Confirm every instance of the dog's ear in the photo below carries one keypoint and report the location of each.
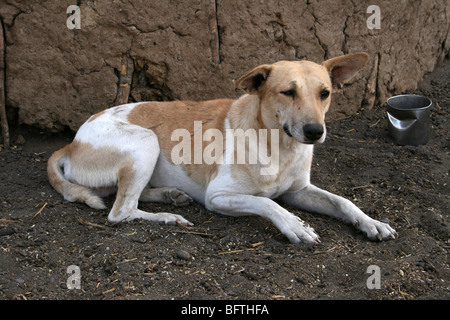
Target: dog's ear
(252, 81)
(343, 68)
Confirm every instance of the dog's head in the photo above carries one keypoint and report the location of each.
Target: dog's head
(295, 95)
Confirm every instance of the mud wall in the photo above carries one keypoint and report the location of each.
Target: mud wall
(57, 76)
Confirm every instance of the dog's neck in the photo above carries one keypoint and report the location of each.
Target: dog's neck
(244, 113)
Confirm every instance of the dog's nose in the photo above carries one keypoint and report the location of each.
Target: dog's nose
(313, 131)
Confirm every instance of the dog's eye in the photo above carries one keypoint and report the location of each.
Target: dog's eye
(324, 94)
(289, 93)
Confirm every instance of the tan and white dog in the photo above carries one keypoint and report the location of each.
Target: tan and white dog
(131, 147)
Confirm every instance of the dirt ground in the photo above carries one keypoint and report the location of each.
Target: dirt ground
(41, 234)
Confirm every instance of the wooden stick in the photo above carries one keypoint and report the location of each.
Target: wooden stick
(362, 187)
(196, 233)
(126, 74)
(8, 221)
(373, 125)
(253, 245)
(4, 120)
(214, 32)
(371, 87)
(87, 223)
(39, 212)
(109, 291)
(236, 251)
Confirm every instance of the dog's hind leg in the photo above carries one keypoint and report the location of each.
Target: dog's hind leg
(165, 195)
(133, 177)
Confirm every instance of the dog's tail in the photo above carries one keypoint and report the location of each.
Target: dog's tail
(71, 192)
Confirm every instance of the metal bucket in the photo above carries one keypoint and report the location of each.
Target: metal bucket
(409, 119)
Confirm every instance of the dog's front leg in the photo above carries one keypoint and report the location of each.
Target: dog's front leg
(240, 205)
(316, 200)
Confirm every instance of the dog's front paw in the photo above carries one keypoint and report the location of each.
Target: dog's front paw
(297, 231)
(377, 230)
(171, 219)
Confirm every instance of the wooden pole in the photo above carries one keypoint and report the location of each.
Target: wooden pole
(126, 74)
(4, 120)
(214, 32)
(371, 87)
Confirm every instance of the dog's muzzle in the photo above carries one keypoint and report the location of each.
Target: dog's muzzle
(308, 134)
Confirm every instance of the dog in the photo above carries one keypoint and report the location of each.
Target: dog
(129, 149)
